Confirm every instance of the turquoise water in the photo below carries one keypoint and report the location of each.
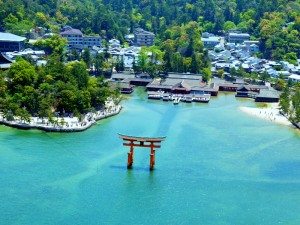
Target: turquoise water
(217, 166)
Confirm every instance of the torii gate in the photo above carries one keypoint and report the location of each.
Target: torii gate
(147, 142)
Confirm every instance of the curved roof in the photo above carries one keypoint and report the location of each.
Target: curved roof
(71, 31)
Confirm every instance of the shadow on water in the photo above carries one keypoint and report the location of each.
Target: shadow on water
(166, 121)
(134, 168)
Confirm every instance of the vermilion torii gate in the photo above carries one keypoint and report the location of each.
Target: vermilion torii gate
(147, 142)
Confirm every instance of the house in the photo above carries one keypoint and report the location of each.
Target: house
(294, 78)
(224, 55)
(230, 46)
(287, 66)
(7, 58)
(76, 39)
(238, 37)
(114, 43)
(242, 92)
(272, 72)
(129, 38)
(143, 38)
(267, 96)
(284, 73)
(211, 42)
(10, 42)
(125, 88)
(223, 66)
(252, 46)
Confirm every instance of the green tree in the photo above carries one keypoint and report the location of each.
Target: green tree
(206, 74)
(284, 101)
(295, 112)
(86, 57)
(55, 45)
(229, 25)
(291, 57)
(99, 62)
(21, 73)
(78, 70)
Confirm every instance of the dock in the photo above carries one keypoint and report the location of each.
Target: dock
(176, 98)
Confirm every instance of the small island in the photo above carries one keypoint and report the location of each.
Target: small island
(57, 97)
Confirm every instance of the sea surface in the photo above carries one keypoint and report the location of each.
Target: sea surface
(216, 166)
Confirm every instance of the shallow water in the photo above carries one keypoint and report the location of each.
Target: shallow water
(217, 166)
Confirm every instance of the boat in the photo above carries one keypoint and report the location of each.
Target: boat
(176, 100)
(166, 97)
(154, 95)
(188, 99)
(202, 98)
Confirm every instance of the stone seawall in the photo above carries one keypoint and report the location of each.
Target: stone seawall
(79, 127)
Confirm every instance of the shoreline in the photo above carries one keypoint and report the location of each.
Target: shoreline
(70, 124)
(272, 114)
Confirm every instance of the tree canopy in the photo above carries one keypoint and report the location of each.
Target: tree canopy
(27, 90)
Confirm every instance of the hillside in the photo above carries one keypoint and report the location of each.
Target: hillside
(276, 22)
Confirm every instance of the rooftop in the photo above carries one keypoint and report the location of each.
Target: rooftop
(185, 76)
(211, 39)
(121, 76)
(239, 35)
(142, 31)
(268, 94)
(295, 77)
(11, 37)
(67, 30)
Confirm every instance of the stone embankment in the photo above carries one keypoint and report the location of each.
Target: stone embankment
(63, 124)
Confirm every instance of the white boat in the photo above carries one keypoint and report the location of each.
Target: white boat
(166, 97)
(176, 100)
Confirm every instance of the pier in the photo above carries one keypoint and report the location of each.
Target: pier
(188, 98)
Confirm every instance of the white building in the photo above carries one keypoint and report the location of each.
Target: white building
(114, 43)
(76, 39)
(238, 37)
(294, 78)
(211, 42)
(143, 38)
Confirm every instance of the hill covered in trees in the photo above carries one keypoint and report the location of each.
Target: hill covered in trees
(276, 23)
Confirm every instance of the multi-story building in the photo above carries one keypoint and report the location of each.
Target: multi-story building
(238, 37)
(10, 42)
(211, 42)
(143, 38)
(76, 39)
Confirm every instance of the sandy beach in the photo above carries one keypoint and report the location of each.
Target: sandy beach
(271, 113)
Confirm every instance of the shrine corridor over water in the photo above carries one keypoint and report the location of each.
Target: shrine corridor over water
(216, 166)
